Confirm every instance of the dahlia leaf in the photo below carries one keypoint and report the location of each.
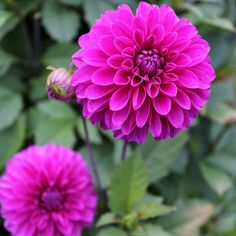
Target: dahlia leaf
(159, 157)
(8, 20)
(5, 61)
(12, 138)
(59, 55)
(10, 107)
(112, 231)
(128, 185)
(188, 219)
(224, 161)
(216, 178)
(221, 23)
(57, 110)
(71, 2)
(61, 23)
(107, 219)
(51, 130)
(152, 210)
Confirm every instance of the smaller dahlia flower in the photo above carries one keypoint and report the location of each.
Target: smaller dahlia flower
(58, 85)
(47, 191)
(141, 72)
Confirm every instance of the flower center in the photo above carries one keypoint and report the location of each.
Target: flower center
(148, 62)
(52, 199)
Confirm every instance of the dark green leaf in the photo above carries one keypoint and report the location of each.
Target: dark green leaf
(12, 139)
(159, 156)
(59, 55)
(10, 107)
(61, 23)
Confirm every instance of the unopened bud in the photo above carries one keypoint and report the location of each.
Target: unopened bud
(58, 85)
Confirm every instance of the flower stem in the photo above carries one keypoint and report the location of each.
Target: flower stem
(91, 155)
(24, 29)
(123, 152)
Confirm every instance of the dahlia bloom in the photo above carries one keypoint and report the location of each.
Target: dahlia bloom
(143, 71)
(58, 85)
(47, 191)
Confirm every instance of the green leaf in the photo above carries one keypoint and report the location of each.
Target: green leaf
(225, 162)
(12, 139)
(218, 180)
(8, 20)
(57, 110)
(106, 166)
(58, 131)
(188, 219)
(159, 156)
(71, 2)
(10, 107)
(92, 130)
(93, 9)
(128, 185)
(38, 87)
(61, 23)
(224, 113)
(5, 61)
(59, 55)
(221, 23)
(107, 219)
(155, 230)
(152, 210)
(112, 232)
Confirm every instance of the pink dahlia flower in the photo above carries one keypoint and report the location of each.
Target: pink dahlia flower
(143, 71)
(47, 191)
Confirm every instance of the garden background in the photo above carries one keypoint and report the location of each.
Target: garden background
(195, 172)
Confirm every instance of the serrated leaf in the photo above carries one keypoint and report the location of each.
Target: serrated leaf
(58, 131)
(107, 219)
(59, 55)
(12, 138)
(159, 156)
(112, 231)
(152, 210)
(217, 179)
(61, 23)
(10, 107)
(57, 110)
(128, 185)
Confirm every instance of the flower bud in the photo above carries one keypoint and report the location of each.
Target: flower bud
(58, 85)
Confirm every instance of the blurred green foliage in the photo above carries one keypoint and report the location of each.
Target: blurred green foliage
(194, 173)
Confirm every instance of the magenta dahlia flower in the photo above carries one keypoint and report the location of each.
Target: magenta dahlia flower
(148, 71)
(47, 191)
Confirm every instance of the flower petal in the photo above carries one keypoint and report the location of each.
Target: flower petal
(162, 104)
(120, 98)
(103, 76)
